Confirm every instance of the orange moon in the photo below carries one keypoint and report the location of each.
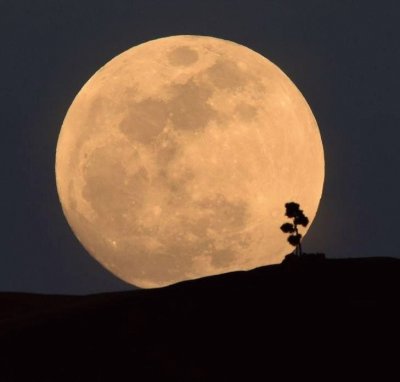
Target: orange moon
(176, 158)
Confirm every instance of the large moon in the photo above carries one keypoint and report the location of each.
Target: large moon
(176, 158)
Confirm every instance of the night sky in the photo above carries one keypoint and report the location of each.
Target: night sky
(343, 56)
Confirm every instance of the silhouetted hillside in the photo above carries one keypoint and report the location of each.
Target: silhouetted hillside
(290, 318)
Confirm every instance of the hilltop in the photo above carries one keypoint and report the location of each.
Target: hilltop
(220, 327)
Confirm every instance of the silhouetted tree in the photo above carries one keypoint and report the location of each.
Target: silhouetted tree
(294, 212)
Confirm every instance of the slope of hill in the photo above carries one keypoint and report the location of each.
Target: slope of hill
(337, 313)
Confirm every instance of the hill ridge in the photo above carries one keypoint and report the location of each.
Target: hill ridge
(206, 328)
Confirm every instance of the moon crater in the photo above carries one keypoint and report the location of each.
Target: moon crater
(182, 56)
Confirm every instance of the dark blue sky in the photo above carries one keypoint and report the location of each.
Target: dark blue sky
(343, 55)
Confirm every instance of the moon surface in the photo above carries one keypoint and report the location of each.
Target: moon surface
(176, 158)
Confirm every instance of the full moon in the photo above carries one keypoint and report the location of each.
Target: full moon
(175, 161)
